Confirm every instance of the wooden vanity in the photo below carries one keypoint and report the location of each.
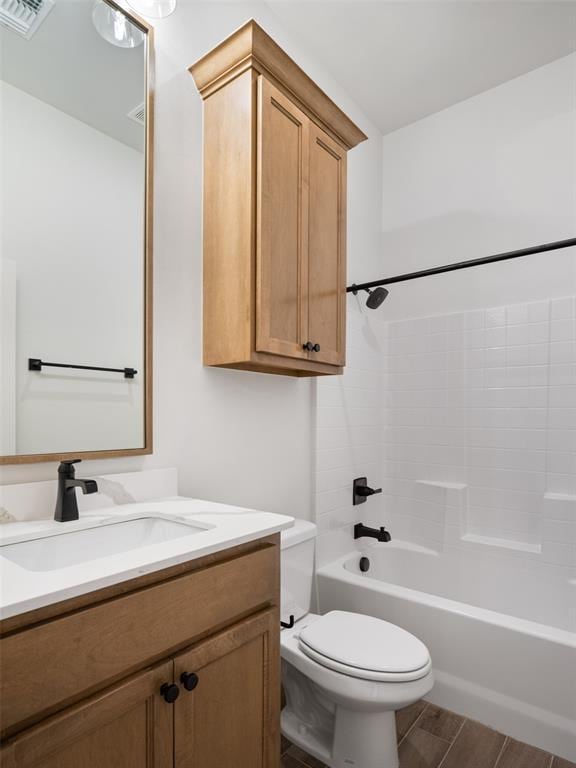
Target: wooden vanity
(174, 669)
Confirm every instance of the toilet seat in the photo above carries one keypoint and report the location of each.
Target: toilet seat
(365, 647)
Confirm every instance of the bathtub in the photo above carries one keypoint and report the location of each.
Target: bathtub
(506, 656)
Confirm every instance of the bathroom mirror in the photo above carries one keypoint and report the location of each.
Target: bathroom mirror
(75, 231)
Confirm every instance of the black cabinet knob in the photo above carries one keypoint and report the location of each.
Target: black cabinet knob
(316, 348)
(308, 346)
(169, 692)
(189, 680)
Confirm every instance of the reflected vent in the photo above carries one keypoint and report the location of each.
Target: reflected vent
(138, 114)
(24, 16)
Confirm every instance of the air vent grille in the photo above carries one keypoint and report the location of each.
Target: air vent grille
(24, 16)
(138, 114)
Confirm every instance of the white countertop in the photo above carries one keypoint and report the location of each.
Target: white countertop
(23, 590)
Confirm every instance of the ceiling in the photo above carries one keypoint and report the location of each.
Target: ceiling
(400, 60)
(68, 65)
(406, 59)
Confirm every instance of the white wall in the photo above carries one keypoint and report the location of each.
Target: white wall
(234, 436)
(494, 173)
(8, 357)
(72, 209)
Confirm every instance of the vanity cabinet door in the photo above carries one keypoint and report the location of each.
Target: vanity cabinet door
(230, 717)
(282, 210)
(327, 249)
(127, 726)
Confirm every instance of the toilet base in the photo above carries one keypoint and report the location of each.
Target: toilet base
(313, 741)
(360, 739)
(364, 740)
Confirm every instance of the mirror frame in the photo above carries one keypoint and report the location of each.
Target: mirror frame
(147, 448)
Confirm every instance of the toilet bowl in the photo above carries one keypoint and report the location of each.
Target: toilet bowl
(344, 674)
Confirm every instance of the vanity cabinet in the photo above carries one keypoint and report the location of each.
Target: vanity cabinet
(227, 719)
(105, 683)
(274, 211)
(127, 726)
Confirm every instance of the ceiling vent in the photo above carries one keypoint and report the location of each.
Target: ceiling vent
(138, 114)
(24, 16)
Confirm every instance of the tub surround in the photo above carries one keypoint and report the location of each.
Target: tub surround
(467, 421)
(480, 429)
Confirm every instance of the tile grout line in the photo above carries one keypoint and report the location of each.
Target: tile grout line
(441, 763)
(504, 745)
(413, 724)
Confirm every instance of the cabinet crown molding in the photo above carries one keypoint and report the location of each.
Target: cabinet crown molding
(250, 47)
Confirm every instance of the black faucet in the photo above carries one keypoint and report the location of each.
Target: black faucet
(361, 530)
(66, 504)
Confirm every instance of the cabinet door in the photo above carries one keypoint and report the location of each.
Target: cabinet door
(282, 209)
(327, 248)
(127, 726)
(230, 719)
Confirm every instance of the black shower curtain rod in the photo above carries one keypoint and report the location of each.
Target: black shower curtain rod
(354, 288)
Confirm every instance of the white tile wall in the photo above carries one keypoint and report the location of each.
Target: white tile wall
(468, 421)
(349, 432)
(486, 399)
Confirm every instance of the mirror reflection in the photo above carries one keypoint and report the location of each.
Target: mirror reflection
(73, 97)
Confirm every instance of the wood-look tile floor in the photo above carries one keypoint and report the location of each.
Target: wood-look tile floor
(431, 737)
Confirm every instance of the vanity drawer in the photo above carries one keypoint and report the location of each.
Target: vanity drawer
(55, 663)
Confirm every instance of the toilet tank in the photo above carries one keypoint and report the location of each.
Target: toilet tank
(297, 569)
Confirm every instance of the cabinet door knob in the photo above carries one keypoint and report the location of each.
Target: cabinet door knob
(169, 692)
(316, 348)
(189, 680)
(308, 346)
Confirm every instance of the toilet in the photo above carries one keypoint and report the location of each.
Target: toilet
(344, 674)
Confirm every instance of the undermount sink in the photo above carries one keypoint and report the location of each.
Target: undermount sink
(74, 547)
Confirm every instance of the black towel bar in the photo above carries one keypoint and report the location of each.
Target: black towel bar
(34, 364)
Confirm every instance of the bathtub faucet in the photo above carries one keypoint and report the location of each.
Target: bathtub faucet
(361, 530)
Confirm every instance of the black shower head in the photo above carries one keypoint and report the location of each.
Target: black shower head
(376, 297)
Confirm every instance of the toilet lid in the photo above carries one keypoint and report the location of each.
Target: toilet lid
(365, 647)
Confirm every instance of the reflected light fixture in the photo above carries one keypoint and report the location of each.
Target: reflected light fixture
(115, 27)
(154, 9)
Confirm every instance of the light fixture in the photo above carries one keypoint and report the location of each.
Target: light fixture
(114, 27)
(154, 9)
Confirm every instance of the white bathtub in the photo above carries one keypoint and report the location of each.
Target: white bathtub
(505, 657)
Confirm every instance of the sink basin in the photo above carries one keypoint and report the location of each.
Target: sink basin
(74, 547)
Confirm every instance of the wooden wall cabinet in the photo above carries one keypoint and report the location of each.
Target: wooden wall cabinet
(274, 211)
(112, 705)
